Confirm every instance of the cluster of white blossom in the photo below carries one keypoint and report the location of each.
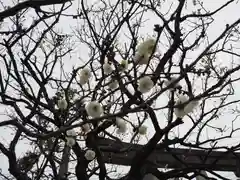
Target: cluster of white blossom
(107, 68)
(86, 128)
(145, 84)
(124, 65)
(113, 84)
(94, 109)
(90, 155)
(70, 141)
(71, 134)
(62, 104)
(121, 125)
(182, 108)
(84, 75)
(142, 130)
(170, 81)
(144, 50)
(185, 109)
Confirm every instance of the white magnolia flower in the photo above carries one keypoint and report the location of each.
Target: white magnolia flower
(142, 130)
(121, 125)
(86, 128)
(70, 141)
(71, 133)
(120, 121)
(190, 106)
(85, 73)
(144, 50)
(113, 85)
(122, 129)
(141, 58)
(168, 82)
(179, 112)
(146, 47)
(62, 104)
(107, 68)
(186, 109)
(90, 155)
(94, 109)
(124, 65)
(83, 80)
(145, 84)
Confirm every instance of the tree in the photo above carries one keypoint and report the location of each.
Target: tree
(75, 72)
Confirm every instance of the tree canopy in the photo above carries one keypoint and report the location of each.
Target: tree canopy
(75, 73)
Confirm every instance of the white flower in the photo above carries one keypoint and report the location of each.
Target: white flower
(107, 68)
(90, 155)
(179, 112)
(75, 98)
(85, 73)
(86, 128)
(83, 80)
(142, 130)
(113, 85)
(124, 65)
(71, 133)
(141, 58)
(94, 109)
(62, 94)
(62, 104)
(145, 84)
(144, 50)
(186, 109)
(121, 125)
(146, 47)
(70, 141)
(190, 106)
(122, 129)
(120, 121)
(172, 79)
